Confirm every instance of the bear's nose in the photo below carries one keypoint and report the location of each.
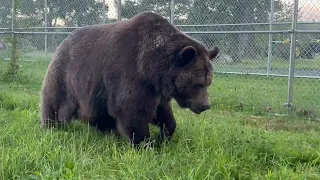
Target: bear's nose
(205, 107)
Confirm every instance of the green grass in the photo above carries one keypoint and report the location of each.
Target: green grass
(260, 95)
(27, 56)
(227, 142)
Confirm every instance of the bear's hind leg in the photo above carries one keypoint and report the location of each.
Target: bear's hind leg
(48, 115)
(66, 112)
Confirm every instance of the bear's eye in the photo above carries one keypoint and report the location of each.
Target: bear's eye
(197, 86)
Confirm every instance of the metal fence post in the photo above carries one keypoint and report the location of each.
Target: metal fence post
(104, 12)
(292, 57)
(46, 28)
(172, 11)
(119, 10)
(270, 38)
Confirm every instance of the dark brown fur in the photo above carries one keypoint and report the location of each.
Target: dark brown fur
(123, 76)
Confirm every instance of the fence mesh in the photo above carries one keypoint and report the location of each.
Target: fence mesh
(306, 94)
(239, 28)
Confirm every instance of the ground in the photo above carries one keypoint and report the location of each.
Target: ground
(239, 138)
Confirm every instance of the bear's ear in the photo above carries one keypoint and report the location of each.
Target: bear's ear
(213, 52)
(186, 56)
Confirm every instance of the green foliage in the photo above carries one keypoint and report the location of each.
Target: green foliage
(30, 13)
(14, 56)
(130, 8)
(12, 41)
(5, 13)
(73, 13)
(14, 66)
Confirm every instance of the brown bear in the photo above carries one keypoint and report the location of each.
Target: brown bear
(122, 76)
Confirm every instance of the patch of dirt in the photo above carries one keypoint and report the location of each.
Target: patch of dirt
(281, 124)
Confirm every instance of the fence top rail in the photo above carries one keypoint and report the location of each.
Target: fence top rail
(243, 24)
(189, 32)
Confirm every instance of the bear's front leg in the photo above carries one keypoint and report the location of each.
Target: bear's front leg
(134, 127)
(165, 120)
(134, 106)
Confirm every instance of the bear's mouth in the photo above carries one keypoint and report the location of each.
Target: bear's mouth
(195, 111)
(188, 104)
(198, 109)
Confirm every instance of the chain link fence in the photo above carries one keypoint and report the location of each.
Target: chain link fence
(270, 49)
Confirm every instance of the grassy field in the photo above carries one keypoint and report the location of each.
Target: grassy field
(236, 139)
(262, 63)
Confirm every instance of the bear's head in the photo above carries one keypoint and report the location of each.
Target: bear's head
(194, 76)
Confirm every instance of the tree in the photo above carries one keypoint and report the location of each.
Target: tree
(5, 13)
(284, 12)
(70, 13)
(236, 12)
(130, 8)
(200, 12)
